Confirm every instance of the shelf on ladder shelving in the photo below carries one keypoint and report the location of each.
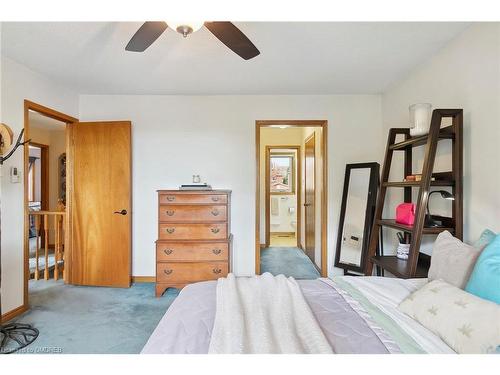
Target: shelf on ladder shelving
(399, 267)
(417, 183)
(391, 223)
(444, 133)
(439, 179)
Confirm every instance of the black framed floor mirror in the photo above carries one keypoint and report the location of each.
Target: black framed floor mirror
(361, 185)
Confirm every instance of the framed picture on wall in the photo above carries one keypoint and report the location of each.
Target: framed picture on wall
(282, 173)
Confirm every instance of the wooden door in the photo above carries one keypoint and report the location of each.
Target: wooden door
(309, 202)
(101, 204)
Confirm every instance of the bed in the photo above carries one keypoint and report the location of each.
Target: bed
(355, 314)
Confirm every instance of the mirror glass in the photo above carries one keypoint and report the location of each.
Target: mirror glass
(354, 219)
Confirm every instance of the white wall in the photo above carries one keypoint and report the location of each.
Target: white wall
(174, 137)
(19, 83)
(465, 74)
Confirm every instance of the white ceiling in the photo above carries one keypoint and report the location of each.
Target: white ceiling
(296, 57)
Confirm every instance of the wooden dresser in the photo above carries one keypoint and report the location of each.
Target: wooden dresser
(194, 237)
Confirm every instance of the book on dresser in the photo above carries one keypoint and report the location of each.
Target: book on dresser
(194, 237)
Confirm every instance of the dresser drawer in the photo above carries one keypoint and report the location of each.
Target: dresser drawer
(194, 252)
(190, 272)
(201, 198)
(215, 231)
(190, 213)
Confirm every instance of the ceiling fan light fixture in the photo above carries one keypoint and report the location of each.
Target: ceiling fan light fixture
(225, 31)
(185, 28)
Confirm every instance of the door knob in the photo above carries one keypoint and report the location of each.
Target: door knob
(307, 204)
(122, 212)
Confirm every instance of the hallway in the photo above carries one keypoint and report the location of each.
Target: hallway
(289, 261)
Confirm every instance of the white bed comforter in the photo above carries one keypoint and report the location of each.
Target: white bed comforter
(264, 314)
(348, 326)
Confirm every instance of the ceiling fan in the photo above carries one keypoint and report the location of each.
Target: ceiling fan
(226, 32)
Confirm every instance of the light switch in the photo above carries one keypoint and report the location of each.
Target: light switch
(14, 175)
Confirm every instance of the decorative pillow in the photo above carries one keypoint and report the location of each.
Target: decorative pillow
(485, 279)
(468, 324)
(452, 260)
(485, 239)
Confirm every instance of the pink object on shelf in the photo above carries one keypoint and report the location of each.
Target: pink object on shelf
(405, 213)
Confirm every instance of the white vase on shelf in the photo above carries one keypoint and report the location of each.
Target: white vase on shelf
(420, 119)
(403, 251)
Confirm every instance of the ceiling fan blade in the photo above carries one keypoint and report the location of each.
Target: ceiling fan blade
(145, 36)
(233, 38)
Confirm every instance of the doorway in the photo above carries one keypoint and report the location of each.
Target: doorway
(45, 195)
(90, 160)
(283, 196)
(291, 196)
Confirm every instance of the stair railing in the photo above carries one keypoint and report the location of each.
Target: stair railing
(42, 231)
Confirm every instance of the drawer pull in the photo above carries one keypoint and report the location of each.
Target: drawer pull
(216, 251)
(170, 230)
(216, 270)
(215, 199)
(215, 212)
(168, 272)
(215, 230)
(170, 212)
(170, 198)
(168, 251)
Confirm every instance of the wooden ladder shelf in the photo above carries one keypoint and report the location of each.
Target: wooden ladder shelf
(417, 264)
